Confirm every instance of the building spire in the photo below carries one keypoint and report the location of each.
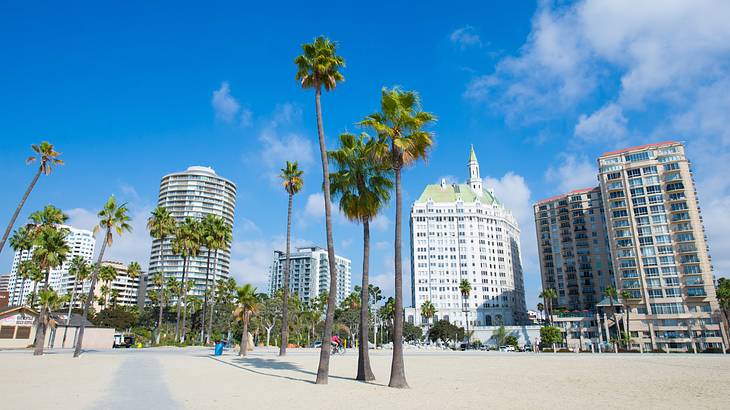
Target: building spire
(475, 180)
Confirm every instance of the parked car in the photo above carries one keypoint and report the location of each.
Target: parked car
(317, 344)
(121, 340)
(506, 348)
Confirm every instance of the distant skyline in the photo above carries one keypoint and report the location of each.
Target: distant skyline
(129, 93)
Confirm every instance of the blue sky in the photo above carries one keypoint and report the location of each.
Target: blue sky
(131, 92)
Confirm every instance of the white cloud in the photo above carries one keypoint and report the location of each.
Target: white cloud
(380, 223)
(573, 173)
(606, 124)
(251, 259)
(382, 245)
(246, 117)
(226, 107)
(315, 206)
(465, 37)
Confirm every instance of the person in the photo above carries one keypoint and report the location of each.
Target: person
(336, 342)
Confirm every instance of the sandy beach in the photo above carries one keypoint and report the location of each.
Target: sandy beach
(193, 379)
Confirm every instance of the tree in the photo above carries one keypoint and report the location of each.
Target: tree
(118, 317)
(446, 332)
(412, 333)
(21, 241)
(161, 225)
(548, 295)
(401, 142)
(428, 310)
(50, 251)
(363, 186)
(187, 245)
(215, 235)
(550, 336)
(160, 295)
(80, 270)
(270, 311)
(291, 177)
(541, 308)
(49, 301)
(318, 67)
(47, 158)
(249, 304)
(112, 218)
(29, 269)
(625, 295)
(465, 289)
(612, 295)
(723, 296)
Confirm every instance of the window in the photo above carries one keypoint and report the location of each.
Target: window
(672, 292)
(692, 270)
(23, 332)
(666, 260)
(635, 182)
(613, 175)
(650, 261)
(633, 172)
(639, 156)
(646, 241)
(683, 237)
(649, 170)
(640, 210)
(621, 223)
(659, 219)
(675, 186)
(620, 214)
(637, 191)
(616, 194)
(655, 293)
(651, 180)
(638, 201)
(651, 272)
(667, 308)
(669, 167)
(654, 189)
(696, 292)
(7, 332)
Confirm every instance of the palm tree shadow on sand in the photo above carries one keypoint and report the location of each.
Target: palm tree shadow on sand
(256, 365)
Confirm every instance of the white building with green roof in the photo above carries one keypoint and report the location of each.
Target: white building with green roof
(462, 231)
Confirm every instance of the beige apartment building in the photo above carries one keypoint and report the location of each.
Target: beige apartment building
(658, 255)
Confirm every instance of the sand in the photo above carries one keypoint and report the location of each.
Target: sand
(191, 378)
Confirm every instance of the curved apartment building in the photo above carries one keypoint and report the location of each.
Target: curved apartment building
(196, 192)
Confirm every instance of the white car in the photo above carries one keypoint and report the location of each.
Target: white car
(506, 348)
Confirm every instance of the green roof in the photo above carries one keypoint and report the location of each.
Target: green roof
(452, 192)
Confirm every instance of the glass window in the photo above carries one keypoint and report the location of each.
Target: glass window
(635, 182)
(633, 172)
(650, 170)
(655, 293)
(637, 191)
(654, 189)
(614, 175)
(669, 167)
(639, 156)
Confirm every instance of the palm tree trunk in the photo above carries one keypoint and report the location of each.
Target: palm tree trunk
(22, 290)
(212, 296)
(244, 337)
(179, 300)
(17, 210)
(397, 368)
(285, 284)
(40, 333)
(628, 331)
(159, 318)
(32, 297)
(68, 317)
(205, 300)
(90, 296)
(324, 353)
(364, 372)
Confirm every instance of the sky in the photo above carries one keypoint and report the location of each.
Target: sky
(131, 91)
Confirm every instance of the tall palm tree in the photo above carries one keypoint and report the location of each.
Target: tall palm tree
(291, 179)
(187, 245)
(80, 270)
(49, 301)
(363, 186)
(540, 308)
(465, 289)
(219, 236)
(428, 310)
(21, 241)
(248, 304)
(48, 216)
(402, 141)
(548, 296)
(47, 158)
(625, 295)
(318, 67)
(50, 251)
(159, 294)
(112, 218)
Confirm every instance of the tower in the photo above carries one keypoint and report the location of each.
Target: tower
(475, 181)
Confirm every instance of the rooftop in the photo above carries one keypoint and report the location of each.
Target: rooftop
(573, 192)
(640, 147)
(453, 192)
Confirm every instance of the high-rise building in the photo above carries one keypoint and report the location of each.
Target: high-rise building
(575, 257)
(195, 192)
(462, 231)
(122, 291)
(309, 273)
(4, 282)
(80, 242)
(660, 251)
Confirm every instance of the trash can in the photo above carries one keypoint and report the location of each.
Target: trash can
(218, 348)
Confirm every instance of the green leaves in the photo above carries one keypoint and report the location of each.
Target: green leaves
(318, 65)
(113, 218)
(291, 177)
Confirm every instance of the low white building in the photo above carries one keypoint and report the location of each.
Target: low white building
(309, 273)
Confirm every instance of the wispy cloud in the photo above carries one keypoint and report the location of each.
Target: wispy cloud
(465, 37)
(227, 108)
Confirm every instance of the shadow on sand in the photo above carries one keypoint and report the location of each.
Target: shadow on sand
(259, 365)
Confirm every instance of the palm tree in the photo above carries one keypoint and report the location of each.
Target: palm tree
(29, 269)
(80, 270)
(465, 289)
(428, 310)
(218, 236)
(723, 296)
(50, 251)
(48, 216)
(318, 67)
(107, 274)
(548, 295)
(612, 295)
(187, 245)
(625, 295)
(540, 308)
(47, 158)
(49, 301)
(402, 141)
(160, 295)
(112, 218)
(291, 177)
(21, 241)
(363, 186)
(249, 304)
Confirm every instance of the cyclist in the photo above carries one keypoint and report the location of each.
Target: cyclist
(336, 343)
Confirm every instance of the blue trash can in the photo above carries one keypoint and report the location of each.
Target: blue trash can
(218, 349)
